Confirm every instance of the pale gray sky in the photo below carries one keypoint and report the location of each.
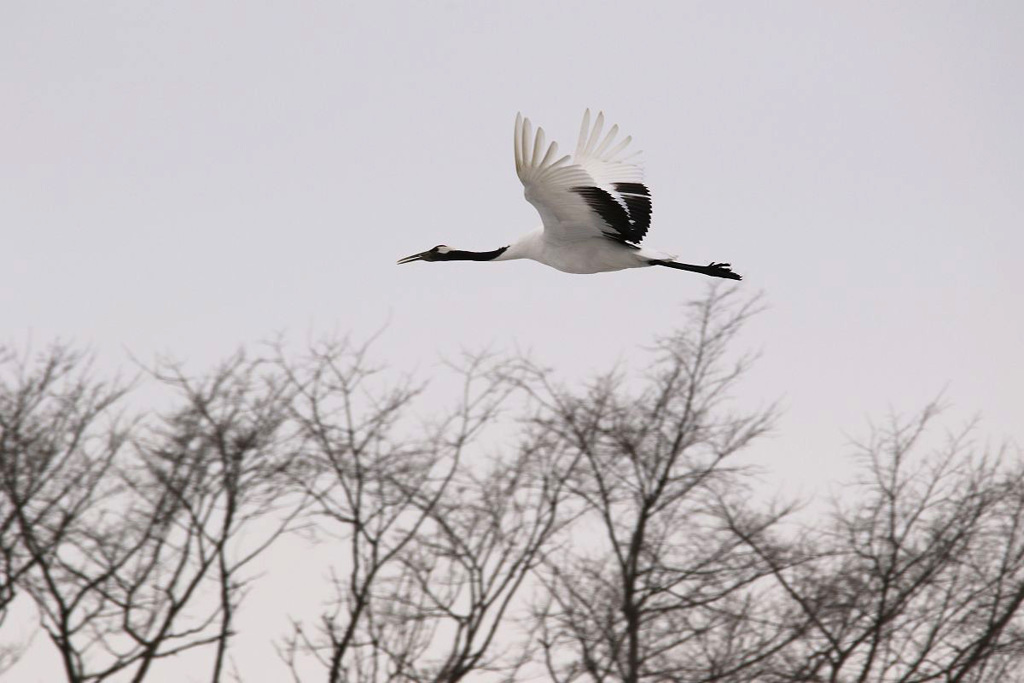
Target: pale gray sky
(186, 177)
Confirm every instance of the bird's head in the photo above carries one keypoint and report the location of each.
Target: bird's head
(438, 253)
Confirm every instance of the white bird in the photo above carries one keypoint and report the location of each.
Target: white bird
(594, 207)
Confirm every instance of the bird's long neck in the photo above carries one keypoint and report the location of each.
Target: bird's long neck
(459, 255)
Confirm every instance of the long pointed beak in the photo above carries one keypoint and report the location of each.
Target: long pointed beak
(410, 259)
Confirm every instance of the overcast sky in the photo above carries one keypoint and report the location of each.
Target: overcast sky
(188, 177)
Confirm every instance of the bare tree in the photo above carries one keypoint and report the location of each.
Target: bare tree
(463, 577)
(436, 547)
(362, 479)
(609, 532)
(214, 478)
(122, 534)
(654, 587)
(918, 577)
(58, 445)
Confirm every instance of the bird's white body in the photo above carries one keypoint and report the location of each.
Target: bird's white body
(582, 256)
(594, 207)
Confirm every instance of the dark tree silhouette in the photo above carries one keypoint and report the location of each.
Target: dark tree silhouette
(656, 587)
(129, 539)
(918, 575)
(610, 530)
(435, 548)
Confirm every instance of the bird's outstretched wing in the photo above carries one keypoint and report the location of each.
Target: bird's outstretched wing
(598, 192)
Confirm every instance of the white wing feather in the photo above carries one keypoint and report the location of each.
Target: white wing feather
(603, 159)
(548, 180)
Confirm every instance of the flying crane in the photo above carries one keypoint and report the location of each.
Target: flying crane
(594, 207)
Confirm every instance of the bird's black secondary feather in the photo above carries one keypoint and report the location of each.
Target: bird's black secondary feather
(625, 227)
(638, 203)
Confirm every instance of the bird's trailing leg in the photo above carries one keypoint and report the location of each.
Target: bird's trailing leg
(713, 269)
